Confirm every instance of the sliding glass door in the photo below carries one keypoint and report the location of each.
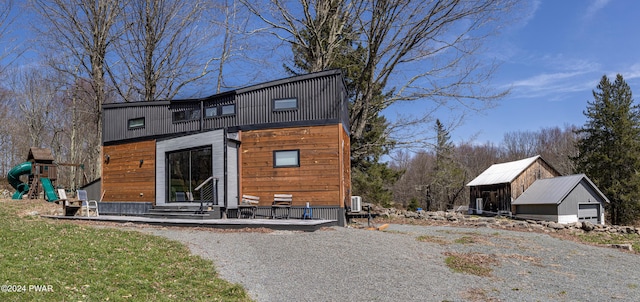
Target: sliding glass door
(187, 170)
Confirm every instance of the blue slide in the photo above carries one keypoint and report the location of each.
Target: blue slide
(14, 179)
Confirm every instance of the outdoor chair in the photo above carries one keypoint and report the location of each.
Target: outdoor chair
(70, 207)
(87, 204)
(281, 202)
(181, 196)
(248, 204)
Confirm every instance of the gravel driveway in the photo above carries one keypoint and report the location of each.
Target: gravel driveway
(344, 264)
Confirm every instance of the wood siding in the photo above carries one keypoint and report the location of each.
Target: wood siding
(538, 170)
(498, 197)
(124, 178)
(345, 140)
(320, 179)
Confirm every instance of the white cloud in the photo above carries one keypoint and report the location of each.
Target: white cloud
(528, 12)
(544, 80)
(595, 7)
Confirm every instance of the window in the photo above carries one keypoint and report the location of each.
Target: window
(286, 158)
(211, 112)
(188, 169)
(285, 104)
(228, 109)
(186, 115)
(135, 123)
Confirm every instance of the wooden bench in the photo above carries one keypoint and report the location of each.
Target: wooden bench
(70, 207)
(249, 203)
(281, 201)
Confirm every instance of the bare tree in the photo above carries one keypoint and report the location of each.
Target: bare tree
(81, 33)
(520, 144)
(444, 38)
(36, 94)
(162, 49)
(5, 24)
(318, 28)
(557, 146)
(235, 43)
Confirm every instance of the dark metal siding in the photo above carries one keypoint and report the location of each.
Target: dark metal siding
(318, 99)
(220, 122)
(319, 212)
(321, 100)
(158, 120)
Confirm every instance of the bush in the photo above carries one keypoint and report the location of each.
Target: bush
(413, 204)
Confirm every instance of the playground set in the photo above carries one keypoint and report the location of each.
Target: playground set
(42, 176)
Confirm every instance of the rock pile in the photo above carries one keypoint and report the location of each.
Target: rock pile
(501, 222)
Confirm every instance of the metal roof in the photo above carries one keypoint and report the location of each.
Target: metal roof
(554, 190)
(503, 173)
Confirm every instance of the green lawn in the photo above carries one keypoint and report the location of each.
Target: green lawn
(80, 263)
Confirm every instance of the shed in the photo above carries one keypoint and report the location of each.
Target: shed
(564, 199)
(493, 190)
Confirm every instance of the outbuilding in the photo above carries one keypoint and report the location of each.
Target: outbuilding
(493, 190)
(564, 199)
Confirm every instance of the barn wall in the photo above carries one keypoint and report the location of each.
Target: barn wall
(538, 170)
(320, 179)
(124, 177)
(495, 197)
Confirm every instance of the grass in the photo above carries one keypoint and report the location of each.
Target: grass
(82, 263)
(471, 263)
(608, 238)
(466, 240)
(432, 239)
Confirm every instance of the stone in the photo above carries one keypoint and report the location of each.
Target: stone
(587, 226)
(411, 214)
(555, 226)
(622, 246)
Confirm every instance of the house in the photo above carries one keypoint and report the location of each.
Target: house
(285, 136)
(563, 199)
(493, 191)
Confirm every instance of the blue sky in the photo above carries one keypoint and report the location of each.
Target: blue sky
(553, 59)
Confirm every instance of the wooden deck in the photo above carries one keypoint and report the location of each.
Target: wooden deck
(275, 224)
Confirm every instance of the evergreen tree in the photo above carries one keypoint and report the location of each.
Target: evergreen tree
(609, 148)
(371, 178)
(448, 176)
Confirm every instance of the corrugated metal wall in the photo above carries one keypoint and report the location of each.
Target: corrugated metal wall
(321, 99)
(321, 212)
(318, 99)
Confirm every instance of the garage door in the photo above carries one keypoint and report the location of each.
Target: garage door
(589, 212)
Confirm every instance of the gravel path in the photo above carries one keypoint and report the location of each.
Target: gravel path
(343, 264)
